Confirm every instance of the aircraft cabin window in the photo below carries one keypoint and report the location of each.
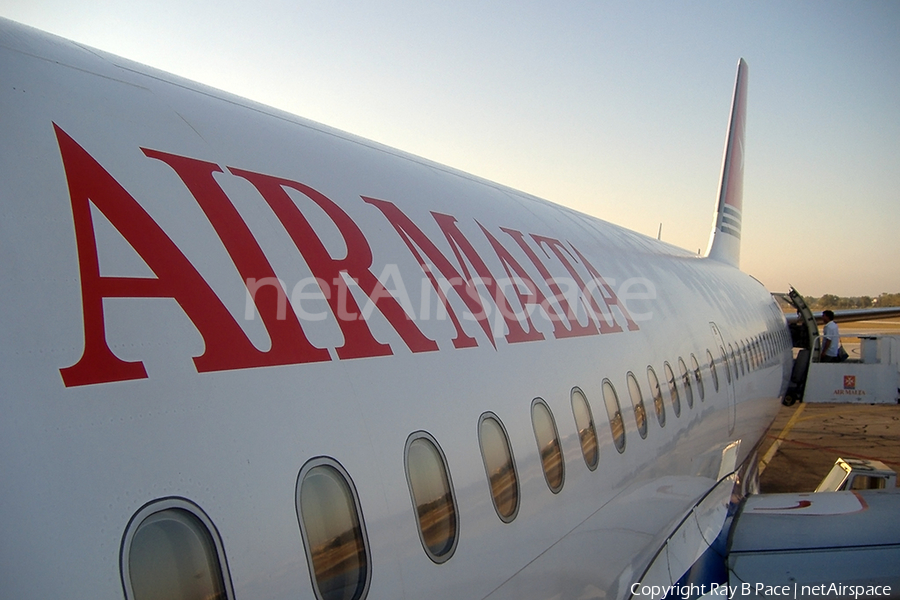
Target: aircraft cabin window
(637, 400)
(712, 369)
(734, 362)
(432, 494)
(745, 363)
(686, 383)
(656, 394)
(673, 389)
(172, 550)
(613, 409)
(547, 438)
(727, 366)
(587, 433)
(698, 377)
(500, 467)
(333, 531)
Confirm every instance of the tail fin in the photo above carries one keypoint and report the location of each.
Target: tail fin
(725, 240)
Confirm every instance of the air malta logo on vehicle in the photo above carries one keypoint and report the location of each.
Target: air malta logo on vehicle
(527, 284)
(849, 387)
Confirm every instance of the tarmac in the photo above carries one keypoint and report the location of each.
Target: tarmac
(805, 439)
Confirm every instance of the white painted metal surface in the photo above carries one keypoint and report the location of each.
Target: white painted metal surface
(139, 213)
(817, 539)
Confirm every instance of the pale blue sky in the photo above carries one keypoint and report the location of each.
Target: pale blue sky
(616, 109)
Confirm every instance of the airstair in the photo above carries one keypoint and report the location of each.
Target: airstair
(873, 378)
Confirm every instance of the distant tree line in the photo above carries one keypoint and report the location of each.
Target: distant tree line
(835, 302)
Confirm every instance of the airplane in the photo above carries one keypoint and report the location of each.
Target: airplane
(246, 355)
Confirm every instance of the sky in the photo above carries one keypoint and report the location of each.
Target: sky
(616, 109)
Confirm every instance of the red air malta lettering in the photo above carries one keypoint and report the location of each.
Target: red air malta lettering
(515, 298)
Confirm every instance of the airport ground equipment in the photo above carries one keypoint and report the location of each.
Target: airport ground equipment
(859, 474)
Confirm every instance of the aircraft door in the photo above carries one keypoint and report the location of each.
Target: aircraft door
(805, 337)
(730, 375)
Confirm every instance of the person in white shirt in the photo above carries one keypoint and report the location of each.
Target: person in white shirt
(831, 339)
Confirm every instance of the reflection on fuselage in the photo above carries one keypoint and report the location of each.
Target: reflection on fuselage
(438, 522)
(431, 490)
(172, 557)
(548, 443)
(333, 534)
(498, 464)
(587, 433)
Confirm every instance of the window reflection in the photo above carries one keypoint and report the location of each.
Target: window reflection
(637, 400)
(673, 389)
(686, 383)
(333, 533)
(656, 394)
(734, 363)
(432, 493)
(727, 366)
(698, 376)
(499, 466)
(616, 423)
(712, 370)
(548, 445)
(587, 434)
(172, 556)
(742, 357)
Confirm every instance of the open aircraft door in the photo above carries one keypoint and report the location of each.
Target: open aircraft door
(804, 335)
(729, 378)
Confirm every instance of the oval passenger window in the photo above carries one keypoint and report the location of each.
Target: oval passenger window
(712, 369)
(548, 445)
(171, 553)
(613, 409)
(587, 433)
(333, 532)
(499, 466)
(432, 495)
(698, 377)
(637, 400)
(673, 389)
(686, 383)
(656, 393)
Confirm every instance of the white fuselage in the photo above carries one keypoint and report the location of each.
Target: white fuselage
(83, 450)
